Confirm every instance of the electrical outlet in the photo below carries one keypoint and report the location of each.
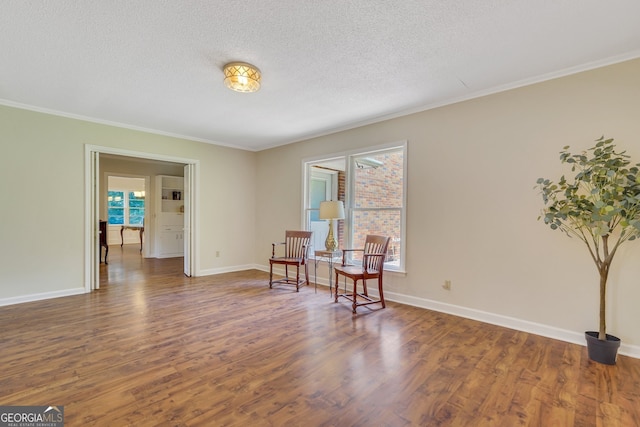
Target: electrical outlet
(447, 285)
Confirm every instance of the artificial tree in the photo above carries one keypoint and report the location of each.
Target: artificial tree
(600, 206)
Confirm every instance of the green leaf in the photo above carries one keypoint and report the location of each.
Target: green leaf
(600, 197)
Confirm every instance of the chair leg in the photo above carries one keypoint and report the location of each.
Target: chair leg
(355, 295)
(297, 278)
(336, 288)
(380, 292)
(270, 275)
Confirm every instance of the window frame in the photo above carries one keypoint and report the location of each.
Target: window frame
(123, 208)
(126, 208)
(349, 159)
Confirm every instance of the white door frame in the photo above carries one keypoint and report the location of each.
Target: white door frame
(91, 238)
(188, 219)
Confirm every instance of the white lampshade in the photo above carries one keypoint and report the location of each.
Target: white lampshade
(331, 210)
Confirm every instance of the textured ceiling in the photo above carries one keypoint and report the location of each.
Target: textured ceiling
(327, 65)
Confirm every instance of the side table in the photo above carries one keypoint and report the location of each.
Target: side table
(329, 257)
(140, 229)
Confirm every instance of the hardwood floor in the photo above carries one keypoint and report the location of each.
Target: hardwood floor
(153, 347)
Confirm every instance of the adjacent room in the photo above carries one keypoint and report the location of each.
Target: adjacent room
(156, 155)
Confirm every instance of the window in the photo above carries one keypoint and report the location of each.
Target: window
(125, 207)
(115, 206)
(323, 185)
(372, 186)
(136, 207)
(377, 199)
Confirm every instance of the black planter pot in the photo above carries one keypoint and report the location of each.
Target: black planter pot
(605, 352)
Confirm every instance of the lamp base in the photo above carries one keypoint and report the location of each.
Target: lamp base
(330, 244)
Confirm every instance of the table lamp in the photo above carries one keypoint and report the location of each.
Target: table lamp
(331, 210)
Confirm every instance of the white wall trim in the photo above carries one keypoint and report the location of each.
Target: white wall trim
(230, 269)
(54, 112)
(505, 321)
(140, 154)
(41, 296)
(468, 313)
(485, 317)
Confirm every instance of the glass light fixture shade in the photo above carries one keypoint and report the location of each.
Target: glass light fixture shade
(331, 210)
(242, 77)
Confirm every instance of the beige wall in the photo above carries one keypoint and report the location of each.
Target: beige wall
(472, 210)
(42, 175)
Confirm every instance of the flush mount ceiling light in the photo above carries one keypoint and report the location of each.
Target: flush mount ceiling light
(242, 77)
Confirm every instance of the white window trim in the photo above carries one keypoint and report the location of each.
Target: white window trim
(349, 156)
(126, 207)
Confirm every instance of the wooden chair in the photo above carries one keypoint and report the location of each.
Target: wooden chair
(296, 253)
(103, 241)
(373, 256)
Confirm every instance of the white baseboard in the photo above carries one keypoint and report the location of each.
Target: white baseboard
(505, 321)
(469, 313)
(491, 318)
(232, 269)
(42, 296)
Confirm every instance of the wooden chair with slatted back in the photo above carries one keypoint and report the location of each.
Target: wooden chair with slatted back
(373, 257)
(296, 253)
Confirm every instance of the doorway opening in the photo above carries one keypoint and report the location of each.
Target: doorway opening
(103, 163)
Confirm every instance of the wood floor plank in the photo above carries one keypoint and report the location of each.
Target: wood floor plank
(153, 347)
